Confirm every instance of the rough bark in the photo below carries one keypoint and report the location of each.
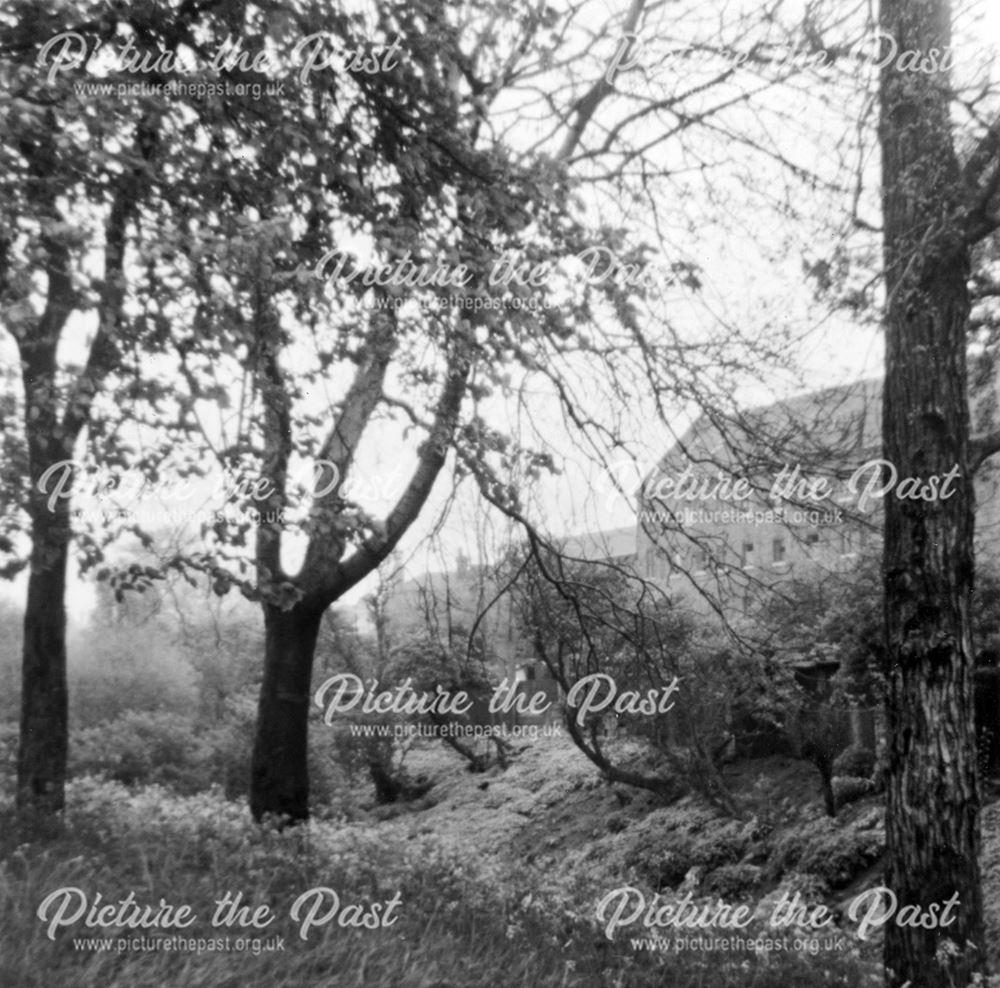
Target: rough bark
(932, 823)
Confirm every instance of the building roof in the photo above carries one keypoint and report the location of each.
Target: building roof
(824, 428)
(615, 543)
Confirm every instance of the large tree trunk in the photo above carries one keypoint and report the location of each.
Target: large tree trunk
(279, 783)
(42, 752)
(43, 744)
(932, 822)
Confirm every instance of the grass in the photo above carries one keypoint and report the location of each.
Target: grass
(457, 926)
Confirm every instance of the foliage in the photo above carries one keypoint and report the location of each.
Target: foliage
(123, 668)
(806, 627)
(8, 753)
(835, 619)
(734, 882)
(829, 617)
(456, 926)
(11, 622)
(723, 845)
(140, 747)
(187, 756)
(847, 789)
(838, 860)
(377, 744)
(855, 760)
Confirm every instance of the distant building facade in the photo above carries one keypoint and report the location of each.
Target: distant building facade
(791, 492)
(788, 492)
(700, 530)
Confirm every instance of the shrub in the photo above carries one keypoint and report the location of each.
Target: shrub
(329, 781)
(720, 847)
(788, 851)
(120, 669)
(171, 750)
(187, 849)
(141, 746)
(848, 789)
(730, 882)
(842, 856)
(226, 753)
(661, 869)
(855, 761)
(226, 749)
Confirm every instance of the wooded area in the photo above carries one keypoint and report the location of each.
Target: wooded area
(302, 303)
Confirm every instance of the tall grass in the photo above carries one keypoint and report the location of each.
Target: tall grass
(459, 926)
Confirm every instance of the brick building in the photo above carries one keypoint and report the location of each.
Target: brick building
(791, 492)
(701, 534)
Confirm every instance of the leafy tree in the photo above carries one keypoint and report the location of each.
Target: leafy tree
(242, 240)
(84, 176)
(831, 621)
(416, 165)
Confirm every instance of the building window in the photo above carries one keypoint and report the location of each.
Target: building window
(747, 553)
(778, 551)
(700, 560)
(812, 538)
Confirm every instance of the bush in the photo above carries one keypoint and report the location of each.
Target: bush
(848, 789)
(226, 749)
(141, 747)
(723, 846)
(733, 882)
(171, 750)
(115, 670)
(855, 762)
(658, 868)
(329, 781)
(455, 927)
(842, 856)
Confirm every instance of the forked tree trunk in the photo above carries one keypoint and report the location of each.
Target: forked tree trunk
(279, 766)
(932, 822)
(42, 752)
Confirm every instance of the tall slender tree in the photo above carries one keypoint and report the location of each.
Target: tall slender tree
(69, 216)
(935, 210)
(112, 122)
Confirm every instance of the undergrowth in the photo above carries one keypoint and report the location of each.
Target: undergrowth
(456, 926)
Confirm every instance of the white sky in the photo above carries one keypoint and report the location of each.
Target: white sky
(746, 279)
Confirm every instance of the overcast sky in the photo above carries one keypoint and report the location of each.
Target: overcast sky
(751, 260)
